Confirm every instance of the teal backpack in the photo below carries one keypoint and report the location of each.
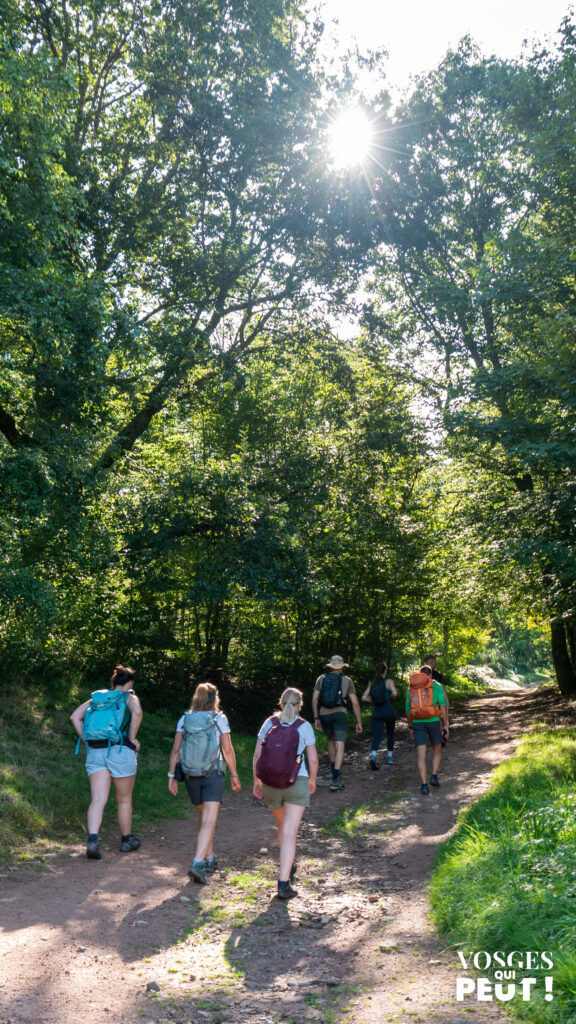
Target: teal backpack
(200, 750)
(107, 718)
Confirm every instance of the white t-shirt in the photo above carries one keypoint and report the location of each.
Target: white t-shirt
(221, 723)
(306, 738)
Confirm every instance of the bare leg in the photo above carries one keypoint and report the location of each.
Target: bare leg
(207, 817)
(331, 751)
(421, 762)
(124, 789)
(288, 819)
(436, 759)
(99, 791)
(339, 754)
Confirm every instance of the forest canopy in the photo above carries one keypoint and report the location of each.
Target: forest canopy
(198, 474)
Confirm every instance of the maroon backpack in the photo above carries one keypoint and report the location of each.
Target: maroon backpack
(279, 762)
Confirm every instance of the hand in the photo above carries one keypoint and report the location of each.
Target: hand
(173, 787)
(257, 789)
(235, 783)
(312, 786)
(318, 724)
(445, 732)
(358, 727)
(136, 744)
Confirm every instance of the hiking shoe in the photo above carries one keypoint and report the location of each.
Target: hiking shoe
(424, 789)
(197, 872)
(210, 864)
(374, 764)
(337, 782)
(433, 780)
(286, 891)
(130, 843)
(391, 758)
(92, 848)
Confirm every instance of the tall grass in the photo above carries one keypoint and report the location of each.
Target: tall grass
(505, 880)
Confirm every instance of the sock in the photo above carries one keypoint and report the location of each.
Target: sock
(373, 755)
(332, 765)
(93, 835)
(126, 837)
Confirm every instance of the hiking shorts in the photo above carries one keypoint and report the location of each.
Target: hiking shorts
(427, 730)
(205, 789)
(335, 726)
(298, 793)
(119, 760)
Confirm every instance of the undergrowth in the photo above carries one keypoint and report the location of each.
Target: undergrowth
(505, 880)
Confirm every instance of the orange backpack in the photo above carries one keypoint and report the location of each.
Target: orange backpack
(421, 698)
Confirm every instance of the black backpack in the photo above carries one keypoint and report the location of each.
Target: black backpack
(380, 693)
(331, 690)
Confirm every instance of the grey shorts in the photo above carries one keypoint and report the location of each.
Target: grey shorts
(335, 726)
(205, 789)
(298, 793)
(119, 760)
(427, 730)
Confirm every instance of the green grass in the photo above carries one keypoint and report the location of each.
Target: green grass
(44, 791)
(505, 880)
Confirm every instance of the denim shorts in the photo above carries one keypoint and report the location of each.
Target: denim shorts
(119, 760)
(204, 789)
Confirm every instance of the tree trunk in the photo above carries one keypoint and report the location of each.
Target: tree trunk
(563, 663)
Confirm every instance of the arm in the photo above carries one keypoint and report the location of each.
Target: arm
(77, 717)
(366, 695)
(315, 699)
(174, 758)
(257, 788)
(136, 720)
(312, 758)
(230, 758)
(390, 686)
(357, 711)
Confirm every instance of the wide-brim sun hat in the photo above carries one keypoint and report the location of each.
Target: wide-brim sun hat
(336, 663)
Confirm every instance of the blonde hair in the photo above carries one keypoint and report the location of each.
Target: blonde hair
(206, 698)
(290, 700)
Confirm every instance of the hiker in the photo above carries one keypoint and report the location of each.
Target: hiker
(201, 750)
(282, 779)
(330, 715)
(380, 693)
(431, 660)
(427, 718)
(108, 723)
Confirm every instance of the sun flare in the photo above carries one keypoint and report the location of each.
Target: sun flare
(350, 138)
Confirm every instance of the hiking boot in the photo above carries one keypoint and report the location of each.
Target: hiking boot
(130, 842)
(210, 864)
(92, 848)
(374, 764)
(336, 781)
(433, 780)
(391, 758)
(424, 789)
(286, 891)
(197, 872)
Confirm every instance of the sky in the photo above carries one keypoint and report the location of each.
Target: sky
(417, 33)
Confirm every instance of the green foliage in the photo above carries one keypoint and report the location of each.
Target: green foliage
(514, 849)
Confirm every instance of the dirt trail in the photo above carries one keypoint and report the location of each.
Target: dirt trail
(83, 940)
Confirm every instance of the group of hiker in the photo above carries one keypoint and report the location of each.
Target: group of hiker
(285, 763)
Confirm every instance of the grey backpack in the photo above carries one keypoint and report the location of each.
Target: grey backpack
(200, 748)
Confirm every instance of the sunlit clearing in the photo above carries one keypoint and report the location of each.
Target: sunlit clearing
(351, 137)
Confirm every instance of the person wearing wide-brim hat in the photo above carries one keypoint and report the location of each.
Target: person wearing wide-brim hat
(331, 690)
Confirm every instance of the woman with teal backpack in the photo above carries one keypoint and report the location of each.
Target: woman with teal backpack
(380, 693)
(108, 723)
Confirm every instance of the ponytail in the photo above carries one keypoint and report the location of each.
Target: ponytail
(291, 699)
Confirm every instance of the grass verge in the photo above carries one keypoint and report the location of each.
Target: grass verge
(505, 880)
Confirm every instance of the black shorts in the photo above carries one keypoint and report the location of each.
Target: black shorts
(205, 789)
(427, 730)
